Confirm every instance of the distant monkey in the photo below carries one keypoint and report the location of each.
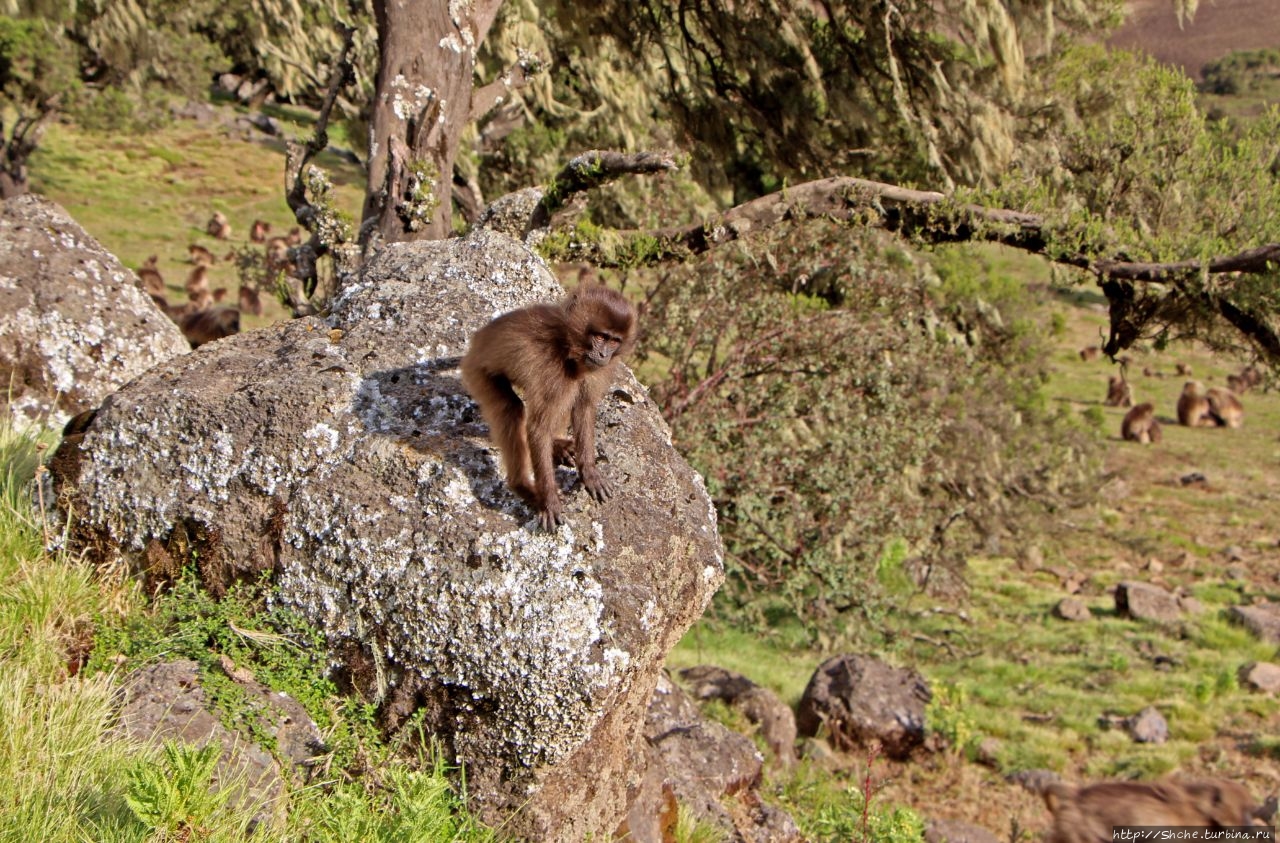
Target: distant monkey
(1088, 814)
(218, 226)
(259, 230)
(1193, 407)
(200, 256)
(1184, 370)
(294, 237)
(1225, 408)
(152, 280)
(203, 326)
(1247, 379)
(197, 281)
(535, 371)
(277, 254)
(1090, 352)
(1140, 425)
(1119, 393)
(250, 300)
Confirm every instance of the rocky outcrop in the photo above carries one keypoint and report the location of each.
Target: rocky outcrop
(711, 771)
(761, 706)
(166, 701)
(343, 455)
(74, 325)
(859, 700)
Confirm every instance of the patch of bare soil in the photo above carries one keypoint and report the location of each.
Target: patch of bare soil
(1219, 27)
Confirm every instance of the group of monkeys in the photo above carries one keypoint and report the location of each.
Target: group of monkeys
(1196, 407)
(203, 317)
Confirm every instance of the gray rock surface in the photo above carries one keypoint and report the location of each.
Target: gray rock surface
(74, 325)
(166, 701)
(1263, 620)
(859, 699)
(761, 706)
(1143, 601)
(344, 456)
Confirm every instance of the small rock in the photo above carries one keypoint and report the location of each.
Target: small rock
(1262, 620)
(1195, 478)
(1143, 601)
(1155, 566)
(1034, 781)
(1235, 553)
(956, 831)
(1148, 726)
(1261, 676)
(1190, 605)
(859, 699)
(1236, 573)
(1072, 609)
(988, 751)
(761, 706)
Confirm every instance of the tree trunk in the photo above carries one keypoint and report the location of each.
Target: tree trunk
(426, 73)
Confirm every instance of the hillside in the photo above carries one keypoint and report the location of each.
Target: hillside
(1219, 27)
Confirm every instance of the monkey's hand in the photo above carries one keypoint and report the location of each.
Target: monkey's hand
(551, 515)
(595, 483)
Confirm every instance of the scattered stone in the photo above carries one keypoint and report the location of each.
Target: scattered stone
(1262, 620)
(166, 701)
(1236, 573)
(988, 752)
(1235, 553)
(938, 830)
(1034, 781)
(1148, 726)
(859, 699)
(1072, 609)
(1143, 601)
(202, 113)
(1195, 478)
(1155, 566)
(1032, 557)
(1190, 605)
(1261, 676)
(75, 325)
(710, 770)
(761, 706)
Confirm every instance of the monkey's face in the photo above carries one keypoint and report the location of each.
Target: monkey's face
(603, 345)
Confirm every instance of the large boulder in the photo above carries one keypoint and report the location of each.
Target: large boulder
(343, 455)
(74, 325)
(858, 700)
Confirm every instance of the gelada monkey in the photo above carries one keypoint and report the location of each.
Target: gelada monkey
(539, 369)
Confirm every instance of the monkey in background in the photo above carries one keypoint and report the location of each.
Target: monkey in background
(218, 226)
(540, 369)
(1193, 407)
(1119, 393)
(1224, 407)
(1088, 814)
(1140, 425)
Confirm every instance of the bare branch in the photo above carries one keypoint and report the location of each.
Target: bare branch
(298, 159)
(593, 169)
(498, 91)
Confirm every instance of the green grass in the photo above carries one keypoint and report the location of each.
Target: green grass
(67, 774)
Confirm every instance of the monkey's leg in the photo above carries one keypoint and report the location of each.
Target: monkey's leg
(504, 412)
(584, 446)
(542, 429)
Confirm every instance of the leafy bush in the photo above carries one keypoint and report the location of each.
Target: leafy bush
(843, 400)
(1240, 71)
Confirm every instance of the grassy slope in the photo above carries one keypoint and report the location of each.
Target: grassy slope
(1015, 674)
(1039, 685)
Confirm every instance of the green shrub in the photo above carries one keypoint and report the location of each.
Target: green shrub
(854, 414)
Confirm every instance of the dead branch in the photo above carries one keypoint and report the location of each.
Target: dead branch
(490, 96)
(593, 169)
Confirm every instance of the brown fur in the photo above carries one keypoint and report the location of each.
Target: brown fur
(1193, 407)
(1090, 352)
(250, 300)
(560, 358)
(152, 280)
(200, 256)
(277, 254)
(1119, 393)
(1140, 425)
(218, 226)
(1183, 369)
(202, 326)
(1087, 814)
(1247, 379)
(259, 230)
(1225, 408)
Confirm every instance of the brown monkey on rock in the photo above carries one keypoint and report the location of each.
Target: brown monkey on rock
(540, 369)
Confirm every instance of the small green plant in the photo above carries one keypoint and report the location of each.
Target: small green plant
(690, 829)
(948, 717)
(174, 795)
